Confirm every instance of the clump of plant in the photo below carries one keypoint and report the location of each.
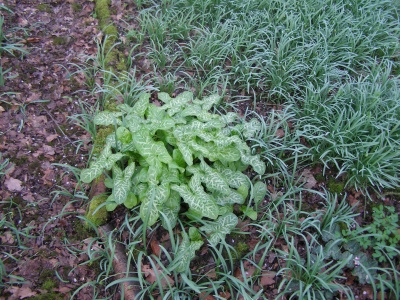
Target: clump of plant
(383, 234)
(179, 157)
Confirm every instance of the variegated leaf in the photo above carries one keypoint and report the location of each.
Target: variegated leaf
(176, 104)
(234, 178)
(213, 179)
(186, 252)
(255, 161)
(171, 208)
(228, 199)
(186, 153)
(108, 118)
(122, 183)
(134, 122)
(97, 166)
(149, 209)
(164, 97)
(204, 206)
(251, 128)
(209, 101)
(259, 191)
(218, 230)
(141, 105)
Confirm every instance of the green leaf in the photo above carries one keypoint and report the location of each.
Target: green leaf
(194, 234)
(174, 105)
(186, 252)
(218, 230)
(141, 105)
(251, 128)
(106, 118)
(186, 153)
(213, 179)
(164, 97)
(111, 205)
(259, 191)
(105, 161)
(131, 200)
(249, 212)
(204, 206)
(255, 161)
(124, 135)
(122, 182)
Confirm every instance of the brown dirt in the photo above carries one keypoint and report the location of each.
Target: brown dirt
(35, 134)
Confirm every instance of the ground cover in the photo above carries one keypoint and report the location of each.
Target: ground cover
(316, 214)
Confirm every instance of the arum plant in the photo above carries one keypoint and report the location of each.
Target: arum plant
(162, 156)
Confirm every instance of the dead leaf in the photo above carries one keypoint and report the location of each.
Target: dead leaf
(2, 109)
(7, 238)
(20, 292)
(267, 278)
(51, 137)
(13, 185)
(225, 295)
(311, 182)
(151, 276)
(203, 296)
(155, 248)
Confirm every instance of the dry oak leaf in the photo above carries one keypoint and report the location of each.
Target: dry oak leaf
(310, 180)
(151, 276)
(20, 292)
(267, 278)
(155, 248)
(13, 185)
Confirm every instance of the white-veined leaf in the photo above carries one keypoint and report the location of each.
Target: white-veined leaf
(108, 118)
(213, 179)
(255, 161)
(220, 228)
(97, 166)
(235, 179)
(228, 199)
(251, 128)
(164, 97)
(186, 252)
(139, 108)
(175, 105)
(186, 153)
(121, 185)
(204, 206)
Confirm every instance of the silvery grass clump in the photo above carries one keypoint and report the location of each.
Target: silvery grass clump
(354, 128)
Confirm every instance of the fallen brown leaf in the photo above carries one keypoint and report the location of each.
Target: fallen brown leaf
(13, 185)
(155, 248)
(267, 278)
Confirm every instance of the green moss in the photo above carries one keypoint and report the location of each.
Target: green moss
(335, 186)
(102, 10)
(100, 140)
(242, 249)
(76, 7)
(60, 40)
(100, 216)
(319, 177)
(43, 7)
(49, 285)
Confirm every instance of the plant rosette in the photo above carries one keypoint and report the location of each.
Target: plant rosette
(163, 156)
